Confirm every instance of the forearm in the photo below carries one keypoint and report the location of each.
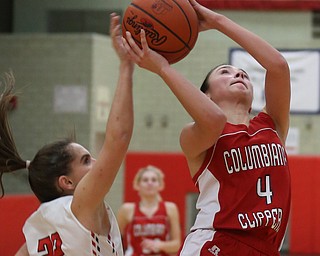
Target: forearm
(171, 246)
(120, 121)
(119, 130)
(196, 103)
(261, 50)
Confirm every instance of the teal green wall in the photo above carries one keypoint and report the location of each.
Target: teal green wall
(30, 15)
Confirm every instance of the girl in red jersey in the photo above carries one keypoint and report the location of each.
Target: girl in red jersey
(238, 163)
(150, 226)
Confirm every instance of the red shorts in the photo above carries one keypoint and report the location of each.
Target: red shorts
(214, 243)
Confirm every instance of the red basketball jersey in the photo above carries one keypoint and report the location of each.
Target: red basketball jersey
(244, 184)
(155, 227)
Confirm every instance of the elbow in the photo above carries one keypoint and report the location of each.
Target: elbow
(217, 120)
(280, 64)
(213, 125)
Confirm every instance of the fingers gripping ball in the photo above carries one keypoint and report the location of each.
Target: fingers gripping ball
(171, 26)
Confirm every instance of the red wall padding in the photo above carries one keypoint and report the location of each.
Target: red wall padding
(304, 231)
(14, 210)
(305, 214)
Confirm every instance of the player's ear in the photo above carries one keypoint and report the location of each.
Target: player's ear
(65, 183)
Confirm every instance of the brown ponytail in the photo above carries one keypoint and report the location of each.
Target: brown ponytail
(10, 159)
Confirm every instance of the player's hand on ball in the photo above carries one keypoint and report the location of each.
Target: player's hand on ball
(206, 17)
(116, 36)
(145, 58)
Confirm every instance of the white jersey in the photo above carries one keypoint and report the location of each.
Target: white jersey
(54, 230)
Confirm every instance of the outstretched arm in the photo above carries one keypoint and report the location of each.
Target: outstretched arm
(91, 190)
(209, 119)
(277, 80)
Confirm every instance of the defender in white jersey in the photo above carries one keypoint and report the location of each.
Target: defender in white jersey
(57, 219)
(238, 162)
(71, 185)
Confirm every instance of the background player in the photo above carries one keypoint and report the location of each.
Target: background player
(150, 226)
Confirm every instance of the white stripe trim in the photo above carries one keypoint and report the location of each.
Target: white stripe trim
(251, 135)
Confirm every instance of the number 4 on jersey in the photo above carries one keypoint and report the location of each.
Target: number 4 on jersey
(267, 193)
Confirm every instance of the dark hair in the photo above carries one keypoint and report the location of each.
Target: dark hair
(205, 84)
(51, 161)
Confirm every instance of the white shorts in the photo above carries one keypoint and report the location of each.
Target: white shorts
(195, 241)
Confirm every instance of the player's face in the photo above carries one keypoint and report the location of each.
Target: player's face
(81, 164)
(228, 82)
(149, 183)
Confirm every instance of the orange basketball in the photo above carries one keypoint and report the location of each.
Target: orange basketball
(171, 26)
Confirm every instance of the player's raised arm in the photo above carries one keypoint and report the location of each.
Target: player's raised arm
(208, 118)
(93, 187)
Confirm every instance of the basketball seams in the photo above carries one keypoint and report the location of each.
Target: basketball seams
(171, 26)
(161, 51)
(165, 26)
(187, 19)
(137, 41)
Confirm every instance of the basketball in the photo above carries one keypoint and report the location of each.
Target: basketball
(171, 26)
